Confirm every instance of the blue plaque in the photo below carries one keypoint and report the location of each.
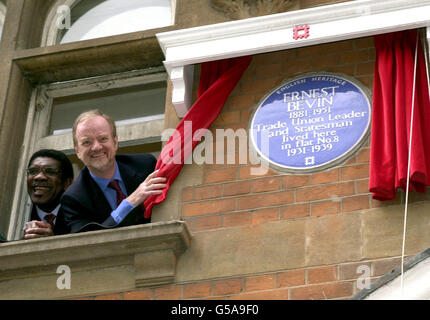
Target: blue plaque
(311, 122)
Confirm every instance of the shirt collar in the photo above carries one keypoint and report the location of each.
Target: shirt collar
(42, 213)
(102, 182)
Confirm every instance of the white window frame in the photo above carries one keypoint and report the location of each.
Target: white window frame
(50, 30)
(2, 16)
(37, 128)
(343, 21)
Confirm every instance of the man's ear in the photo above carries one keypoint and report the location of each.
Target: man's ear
(116, 143)
(77, 151)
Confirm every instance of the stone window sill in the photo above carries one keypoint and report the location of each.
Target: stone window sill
(151, 250)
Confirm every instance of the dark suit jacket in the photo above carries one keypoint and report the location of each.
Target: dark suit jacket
(59, 227)
(84, 203)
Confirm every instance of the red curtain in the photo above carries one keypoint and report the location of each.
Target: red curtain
(217, 80)
(391, 116)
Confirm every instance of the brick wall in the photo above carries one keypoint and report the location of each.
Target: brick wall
(318, 283)
(230, 198)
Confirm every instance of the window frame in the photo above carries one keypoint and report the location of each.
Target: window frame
(3, 10)
(37, 128)
(51, 33)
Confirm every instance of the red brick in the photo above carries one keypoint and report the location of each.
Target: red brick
(230, 286)
(208, 207)
(321, 274)
(366, 80)
(187, 194)
(265, 215)
(241, 101)
(227, 117)
(322, 291)
(355, 56)
(276, 294)
(208, 192)
(325, 191)
(356, 203)
(325, 177)
(245, 115)
(261, 85)
(262, 282)
(265, 71)
(363, 155)
(362, 43)
(249, 74)
(236, 219)
(322, 208)
(377, 204)
(220, 175)
(266, 184)
(294, 181)
(350, 161)
(113, 296)
(382, 267)
(326, 61)
(348, 69)
(206, 223)
(138, 295)
(355, 172)
(366, 68)
(300, 65)
(197, 290)
(325, 49)
(291, 278)
(349, 271)
(258, 171)
(362, 186)
(265, 200)
(274, 57)
(236, 188)
(168, 293)
(295, 211)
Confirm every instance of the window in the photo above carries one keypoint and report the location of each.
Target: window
(2, 16)
(92, 19)
(140, 120)
(138, 86)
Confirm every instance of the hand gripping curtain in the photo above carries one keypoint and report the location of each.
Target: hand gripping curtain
(217, 80)
(391, 118)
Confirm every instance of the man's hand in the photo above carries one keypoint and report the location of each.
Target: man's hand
(151, 186)
(37, 230)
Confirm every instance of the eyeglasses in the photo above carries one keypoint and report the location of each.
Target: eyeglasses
(50, 172)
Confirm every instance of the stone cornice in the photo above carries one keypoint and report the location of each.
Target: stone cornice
(151, 250)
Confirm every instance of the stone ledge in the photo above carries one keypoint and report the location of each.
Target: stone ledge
(152, 249)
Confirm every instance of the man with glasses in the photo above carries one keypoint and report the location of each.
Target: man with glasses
(49, 173)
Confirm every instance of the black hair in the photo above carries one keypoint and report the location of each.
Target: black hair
(66, 165)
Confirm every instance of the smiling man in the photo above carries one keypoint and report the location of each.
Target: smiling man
(49, 173)
(110, 186)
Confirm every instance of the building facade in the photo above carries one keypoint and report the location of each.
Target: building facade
(222, 232)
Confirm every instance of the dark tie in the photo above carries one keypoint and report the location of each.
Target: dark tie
(119, 194)
(50, 219)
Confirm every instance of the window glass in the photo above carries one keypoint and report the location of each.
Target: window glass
(113, 17)
(126, 105)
